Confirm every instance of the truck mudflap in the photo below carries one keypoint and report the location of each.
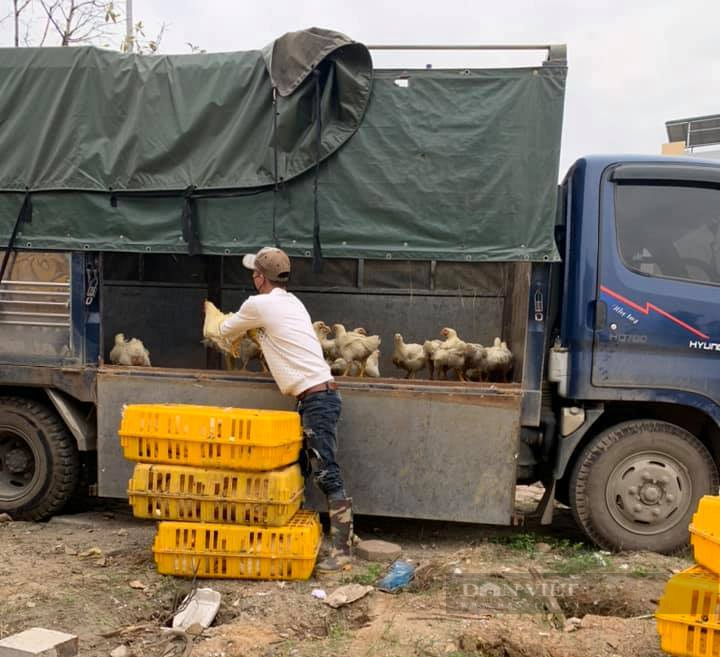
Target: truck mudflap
(431, 449)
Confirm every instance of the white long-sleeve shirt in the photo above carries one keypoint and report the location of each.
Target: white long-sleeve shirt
(291, 348)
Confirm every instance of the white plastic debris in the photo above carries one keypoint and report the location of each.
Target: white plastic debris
(319, 594)
(199, 608)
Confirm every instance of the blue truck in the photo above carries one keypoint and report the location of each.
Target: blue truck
(614, 400)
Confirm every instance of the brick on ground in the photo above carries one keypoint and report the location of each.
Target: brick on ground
(39, 642)
(375, 550)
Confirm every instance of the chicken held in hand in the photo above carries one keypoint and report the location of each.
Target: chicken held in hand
(244, 349)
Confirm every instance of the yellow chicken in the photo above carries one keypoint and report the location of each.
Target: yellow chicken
(409, 357)
(322, 330)
(499, 360)
(355, 347)
(243, 348)
(129, 352)
(450, 354)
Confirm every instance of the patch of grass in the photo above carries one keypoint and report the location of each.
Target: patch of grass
(521, 542)
(576, 557)
(579, 562)
(370, 576)
(566, 545)
(640, 572)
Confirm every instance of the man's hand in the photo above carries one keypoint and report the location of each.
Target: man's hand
(213, 319)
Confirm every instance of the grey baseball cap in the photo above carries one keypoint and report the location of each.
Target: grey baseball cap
(271, 262)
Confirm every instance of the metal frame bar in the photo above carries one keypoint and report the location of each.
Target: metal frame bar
(21, 313)
(321, 290)
(35, 302)
(14, 323)
(555, 52)
(35, 283)
(36, 294)
(522, 46)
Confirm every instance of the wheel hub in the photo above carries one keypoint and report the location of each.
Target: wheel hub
(17, 464)
(18, 461)
(647, 492)
(651, 493)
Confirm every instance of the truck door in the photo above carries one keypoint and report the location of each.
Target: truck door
(657, 310)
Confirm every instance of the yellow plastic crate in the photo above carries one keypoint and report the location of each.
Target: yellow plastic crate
(705, 533)
(174, 492)
(239, 552)
(687, 616)
(210, 436)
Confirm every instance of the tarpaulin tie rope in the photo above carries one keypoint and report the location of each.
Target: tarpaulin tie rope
(317, 248)
(24, 216)
(276, 241)
(190, 221)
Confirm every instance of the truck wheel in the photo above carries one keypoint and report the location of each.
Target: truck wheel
(39, 462)
(636, 486)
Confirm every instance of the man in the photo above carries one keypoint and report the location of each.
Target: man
(294, 356)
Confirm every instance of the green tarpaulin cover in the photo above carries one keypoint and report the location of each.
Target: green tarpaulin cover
(427, 164)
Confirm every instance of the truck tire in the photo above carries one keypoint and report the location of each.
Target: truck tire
(636, 485)
(39, 463)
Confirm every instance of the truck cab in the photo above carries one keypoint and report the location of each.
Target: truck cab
(637, 346)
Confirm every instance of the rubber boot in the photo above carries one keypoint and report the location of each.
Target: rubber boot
(341, 536)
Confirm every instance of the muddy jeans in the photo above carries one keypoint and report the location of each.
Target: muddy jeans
(320, 413)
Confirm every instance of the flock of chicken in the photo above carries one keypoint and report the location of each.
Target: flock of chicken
(352, 353)
(349, 352)
(356, 352)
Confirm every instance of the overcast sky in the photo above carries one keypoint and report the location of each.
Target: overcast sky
(632, 65)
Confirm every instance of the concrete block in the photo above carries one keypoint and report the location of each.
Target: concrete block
(39, 642)
(374, 550)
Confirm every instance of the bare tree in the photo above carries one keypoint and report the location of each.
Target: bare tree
(18, 7)
(75, 22)
(80, 21)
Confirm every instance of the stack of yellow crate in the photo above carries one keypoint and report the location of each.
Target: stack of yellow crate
(226, 486)
(688, 616)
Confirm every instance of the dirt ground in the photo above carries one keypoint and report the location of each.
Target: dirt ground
(92, 574)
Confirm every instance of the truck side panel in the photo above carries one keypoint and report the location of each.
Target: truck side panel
(431, 450)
